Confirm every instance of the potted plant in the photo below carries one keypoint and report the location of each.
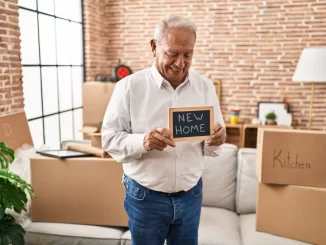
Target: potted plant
(14, 192)
(271, 118)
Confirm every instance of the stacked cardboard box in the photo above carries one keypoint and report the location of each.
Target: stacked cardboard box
(78, 190)
(84, 190)
(291, 170)
(96, 96)
(75, 190)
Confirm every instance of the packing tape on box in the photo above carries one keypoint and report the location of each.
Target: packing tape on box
(98, 152)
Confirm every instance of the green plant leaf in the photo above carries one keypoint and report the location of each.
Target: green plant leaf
(13, 191)
(11, 232)
(3, 239)
(13, 195)
(2, 212)
(7, 155)
(271, 116)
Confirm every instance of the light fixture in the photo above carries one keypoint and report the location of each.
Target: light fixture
(311, 68)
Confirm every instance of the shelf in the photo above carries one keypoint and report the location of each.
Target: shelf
(234, 134)
(245, 135)
(228, 125)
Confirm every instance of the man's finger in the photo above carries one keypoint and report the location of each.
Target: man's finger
(156, 147)
(164, 139)
(164, 131)
(214, 142)
(219, 133)
(216, 128)
(158, 142)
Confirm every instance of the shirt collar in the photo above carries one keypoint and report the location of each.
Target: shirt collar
(159, 80)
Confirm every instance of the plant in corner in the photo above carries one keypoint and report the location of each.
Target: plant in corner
(14, 192)
(271, 118)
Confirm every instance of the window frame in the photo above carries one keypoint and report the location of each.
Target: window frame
(56, 65)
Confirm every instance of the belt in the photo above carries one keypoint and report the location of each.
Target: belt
(172, 194)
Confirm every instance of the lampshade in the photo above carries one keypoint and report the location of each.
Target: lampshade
(311, 66)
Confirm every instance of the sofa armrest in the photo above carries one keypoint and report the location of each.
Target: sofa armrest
(245, 200)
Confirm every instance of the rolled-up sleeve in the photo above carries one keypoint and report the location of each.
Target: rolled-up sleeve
(117, 138)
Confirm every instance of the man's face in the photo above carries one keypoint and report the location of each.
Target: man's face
(173, 55)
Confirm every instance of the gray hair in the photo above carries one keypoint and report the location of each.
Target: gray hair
(174, 22)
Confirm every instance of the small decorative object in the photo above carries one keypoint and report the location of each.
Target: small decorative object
(271, 118)
(14, 192)
(235, 115)
(255, 121)
(281, 110)
(120, 71)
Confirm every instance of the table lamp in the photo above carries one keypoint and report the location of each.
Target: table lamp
(311, 68)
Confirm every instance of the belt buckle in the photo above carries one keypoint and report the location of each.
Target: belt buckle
(175, 194)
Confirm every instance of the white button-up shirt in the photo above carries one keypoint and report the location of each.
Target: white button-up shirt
(139, 103)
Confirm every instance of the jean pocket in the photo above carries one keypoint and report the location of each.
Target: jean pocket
(197, 189)
(137, 193)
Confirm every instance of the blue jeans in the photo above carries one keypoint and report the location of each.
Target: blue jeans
(155, 217)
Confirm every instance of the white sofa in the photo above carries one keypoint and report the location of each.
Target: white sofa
(228, 212)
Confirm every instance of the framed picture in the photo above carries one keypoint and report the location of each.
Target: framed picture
(217, 84)
(281, 109)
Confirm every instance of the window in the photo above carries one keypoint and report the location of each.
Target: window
(53, 69)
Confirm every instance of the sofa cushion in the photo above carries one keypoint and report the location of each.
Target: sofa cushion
(217, 227)
(126, 238)
(245, 200)
(38, 233)
(250, 236)
(219, 179)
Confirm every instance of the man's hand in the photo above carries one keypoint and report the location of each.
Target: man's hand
(218, 135)
(158, 139)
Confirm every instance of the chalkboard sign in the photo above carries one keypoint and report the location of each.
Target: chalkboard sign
(191, 123)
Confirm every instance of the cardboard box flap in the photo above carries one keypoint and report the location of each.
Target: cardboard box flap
(89, 129)
(291, 130)
(95, 134)
(14, 130)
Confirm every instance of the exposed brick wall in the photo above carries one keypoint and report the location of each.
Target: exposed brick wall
(11, 90)
(96, 35)
(252, 46)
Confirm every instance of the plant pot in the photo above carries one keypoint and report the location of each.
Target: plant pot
(270, 122)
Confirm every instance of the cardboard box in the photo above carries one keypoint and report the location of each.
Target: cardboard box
(89, 130)
(294, 212)
(96, 139)
(14, 130)
(78, 191)
(291, 157)
(96, 96)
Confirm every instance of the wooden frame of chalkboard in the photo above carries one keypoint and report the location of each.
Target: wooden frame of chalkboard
(191, 123)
